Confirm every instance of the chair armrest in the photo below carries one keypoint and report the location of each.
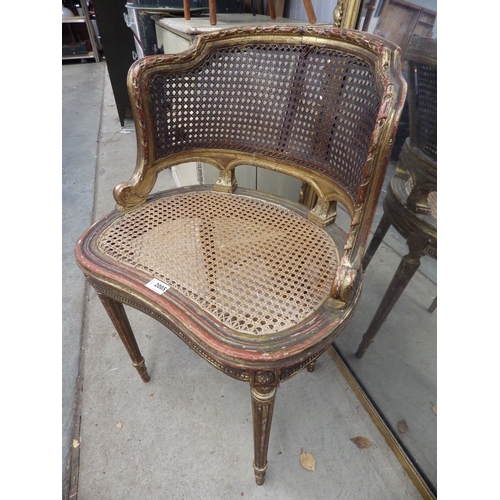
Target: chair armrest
(344, 285)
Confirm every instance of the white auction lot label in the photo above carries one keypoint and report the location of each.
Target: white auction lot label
(157, 286)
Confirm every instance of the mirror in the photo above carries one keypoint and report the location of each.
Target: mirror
(397, 373)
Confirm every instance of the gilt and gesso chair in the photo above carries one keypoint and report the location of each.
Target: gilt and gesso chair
(257, 285)
(410, 205)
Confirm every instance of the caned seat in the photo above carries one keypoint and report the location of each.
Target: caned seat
(253, 265)
(257, 285)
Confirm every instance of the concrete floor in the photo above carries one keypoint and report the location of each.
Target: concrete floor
(187, 434)
(82, 100)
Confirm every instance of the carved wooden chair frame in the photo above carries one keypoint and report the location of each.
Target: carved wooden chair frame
(262, 360)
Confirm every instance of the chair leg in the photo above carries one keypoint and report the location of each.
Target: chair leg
(311, 16)
(212, 12)
(272, 10)
(187, 10)
(117, 314)
(407, 268)
(433, 306)
(263, 398)
(378, 236)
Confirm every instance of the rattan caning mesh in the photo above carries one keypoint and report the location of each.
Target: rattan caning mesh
(255, 266)
(426, 109)
(313, 106)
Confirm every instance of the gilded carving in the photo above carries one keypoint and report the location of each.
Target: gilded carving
(264, 378)
(226, 182)
(343, 287)
(338, 14)
(324, 212)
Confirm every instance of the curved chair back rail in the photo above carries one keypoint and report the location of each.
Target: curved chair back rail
(258, 285)
(418, 158)
(320, 104)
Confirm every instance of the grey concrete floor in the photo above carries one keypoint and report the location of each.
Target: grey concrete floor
(82, 98)
(187, 434)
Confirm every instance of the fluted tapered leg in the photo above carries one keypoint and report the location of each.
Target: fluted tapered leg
(407, 268)
(117, 314)
(263, 398)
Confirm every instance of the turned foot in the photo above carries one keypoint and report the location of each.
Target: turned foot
(142, 370)
(311, 365)
(260, 474)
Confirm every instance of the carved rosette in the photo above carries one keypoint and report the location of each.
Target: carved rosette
(266, 379)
